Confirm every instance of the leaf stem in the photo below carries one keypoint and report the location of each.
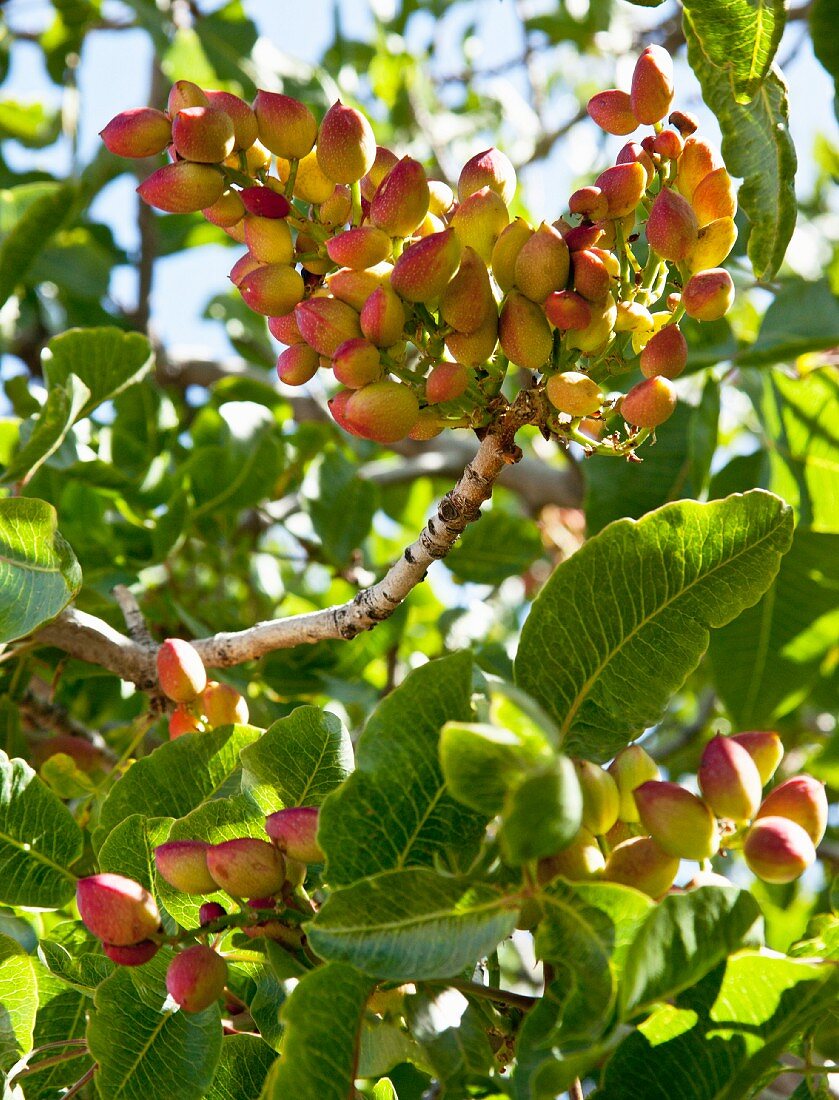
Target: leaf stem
(487, 992)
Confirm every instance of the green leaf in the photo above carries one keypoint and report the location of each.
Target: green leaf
(801, 418)
(542, 813)
(481, 762)
(74, 956)
(244, 1063)
(683, 938)
(176, 777)
(299, 760)
(39, 574)
(29, 215)
(394, 810)
(39, 840)
(723, 1034)
(454, 1051)
(803, 317)
(766, 661)
(62, 1015)
(29, 123)
(107, 360)
(620, 625)
(823, 16)
(411, 925)
(49, 429)
(129, 848)
(19, 998)
(323, 1018)
(730, 48)
(500, 546)
(144, 1053)
(228, 37)
(340, 503)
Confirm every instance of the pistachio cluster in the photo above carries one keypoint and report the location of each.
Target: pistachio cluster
(201, 703)
(637, 827)
(417, 299)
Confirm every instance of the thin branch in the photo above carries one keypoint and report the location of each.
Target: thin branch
(487, 993)
(135, 623)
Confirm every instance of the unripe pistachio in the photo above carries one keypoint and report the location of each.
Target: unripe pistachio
(246, 867)
(479, 220)
(140, 132)
(183, 863)
(286, 126)
(684, 122)
(357, 363)
(284, 328)
(181, 722)
(346, 148)
(623, 187)
(492, 169)
(677, 820)
(116, 909)
(86, 756)
(426, 267)
(581, 860)
(473, 349)
(652, 85)
(196, 978)
(649, 404)
(642, 863)
(713, 197)
(401, 200)
(778, 850)
(446, 382)
(325, 323)
(383, 317)
(696, 162)
(269, 239)
(440, 198)
(542, 264)
(257, 159)
(180, 671)
(294, 831)
(182, 188)
(666, 353)
(355, 287)
(336, 210)
(184, 94)
(591, 277)
(668, 144)
(505, 252)
(630, 768)
(524, 333)
(765, 748)
(338, 408)
(226, 211)
(708, 295)
(576, 394)
(633, 317)
(359, 248)
(210, 911)
(221, 704)
(383, 411)
(468, 298)
(134, 954)
(311, 184)
(729, 779)
(801, 799)
(567, 310)
(265, 202)
(590, 202)
(579, 237)
(203, 134)
(428, 425)
(715, 241)
(672, 228)
(385, 159)
(612, 111)
(245, 129)
(609, 261)
(601, 799)
(607, 228)
(272, 289)
(634, 153)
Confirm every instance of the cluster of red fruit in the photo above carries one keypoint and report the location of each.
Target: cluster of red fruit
(637, 827)
(406, 291)
(201, 703)
(125, 917)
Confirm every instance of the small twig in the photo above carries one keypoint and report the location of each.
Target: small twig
(74, 1090)
(135, 623)
(575, 1092)
(487, 993)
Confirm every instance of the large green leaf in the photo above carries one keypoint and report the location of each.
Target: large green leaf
(801, 420)
(412, 924)
(341, 505)
(322, 1018)
(683, 938)
(803, 317)
(39, 840)
(620, 625)
(500, 546)
(29, 215)
(823, 16)
(19, 998)
(730, 48)
(62, 1015)
(299, 760)
(766, 661)
(481, 762)
(177, 777)
(107, 360)
(129, 848)
(39, 574)
(47, 430)
(240, 1074)
(144, 1053)
(722, 1035)
(394, 810)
